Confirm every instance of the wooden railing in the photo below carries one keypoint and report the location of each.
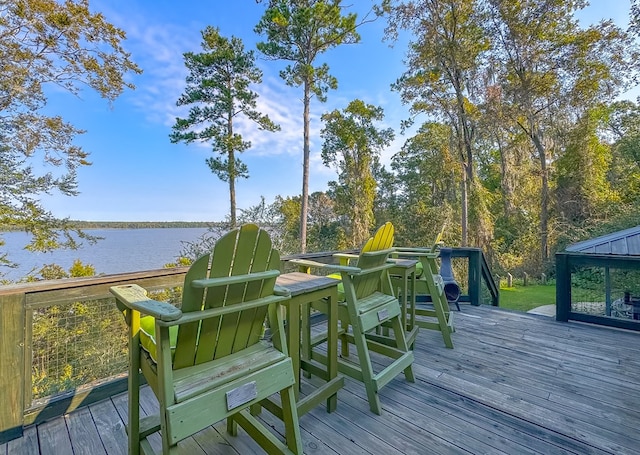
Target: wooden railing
(20, 302)
(17, 306)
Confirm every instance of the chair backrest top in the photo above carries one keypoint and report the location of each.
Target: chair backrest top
(242, 251)
(381, 240)
(374, 253)
(437, 243)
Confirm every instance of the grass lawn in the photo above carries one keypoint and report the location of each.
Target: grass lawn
(524, 298)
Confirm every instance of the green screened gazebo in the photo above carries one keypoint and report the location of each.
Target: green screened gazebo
(621, 276)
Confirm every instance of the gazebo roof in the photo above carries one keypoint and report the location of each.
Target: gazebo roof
(625, 242)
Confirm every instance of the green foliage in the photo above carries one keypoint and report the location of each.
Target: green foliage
(53, 272)
(56, 272)
(218, 92)
(585, 196)
(445, 56)
(352, 145)
(298, 32)
(552, 72)
(78, 269)
(428, 179)
(47, 43)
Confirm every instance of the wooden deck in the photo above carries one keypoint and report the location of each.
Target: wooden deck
(514, 384)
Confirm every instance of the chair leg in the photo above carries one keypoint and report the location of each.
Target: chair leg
(443, 313)
(344, 339)
(133, 384)
(232, 426)
(133, 427)
(290, 418)
(167, 447)
(305, 329)
(367, 371)
(401, 343)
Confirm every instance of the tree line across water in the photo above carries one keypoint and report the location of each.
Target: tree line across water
(129, 225)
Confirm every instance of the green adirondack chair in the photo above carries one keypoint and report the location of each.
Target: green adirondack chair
(430, 283)
(364, 310)
(206, 362)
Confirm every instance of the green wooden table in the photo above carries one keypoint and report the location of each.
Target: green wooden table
(403, 277)
(306, 289)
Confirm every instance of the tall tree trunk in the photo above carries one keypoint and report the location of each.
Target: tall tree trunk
(465, 145)
(231, 167)
(505, 179)
(232, 189)
(304, 203)
(544, 195)
(465, 207)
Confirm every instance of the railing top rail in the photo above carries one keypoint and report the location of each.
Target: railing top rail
(116, 278)
(72, 283)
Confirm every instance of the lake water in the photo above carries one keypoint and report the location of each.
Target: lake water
(120, 250)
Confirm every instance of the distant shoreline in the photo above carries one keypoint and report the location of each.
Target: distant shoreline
(129, 225)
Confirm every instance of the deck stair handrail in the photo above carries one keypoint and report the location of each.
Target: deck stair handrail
(479, 272)
(487, 276)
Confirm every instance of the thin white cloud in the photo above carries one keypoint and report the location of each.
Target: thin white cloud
(158, 49)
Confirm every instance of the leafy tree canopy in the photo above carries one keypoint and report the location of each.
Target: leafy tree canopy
(218, 92)
(46, 43)
(352, 144)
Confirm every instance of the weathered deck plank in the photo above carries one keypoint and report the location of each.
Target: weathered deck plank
(572, 403)
(110, 427)
(27, 444)
(514, 383)
(54, 437)
(83, 433)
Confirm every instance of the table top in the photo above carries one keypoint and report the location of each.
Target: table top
(298, 283)
(404, 263)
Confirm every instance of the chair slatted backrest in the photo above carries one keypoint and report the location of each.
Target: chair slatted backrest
(242, 251)
(374, 253)
(381, 240)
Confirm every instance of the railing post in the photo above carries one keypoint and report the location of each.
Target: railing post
(475, 276)
(563, 287)
(12, 365)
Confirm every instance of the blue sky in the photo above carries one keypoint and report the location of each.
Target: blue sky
(138, 175)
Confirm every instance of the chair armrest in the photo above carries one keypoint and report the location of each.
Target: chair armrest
(135, 298)
(321, 265)
(417, 251)
(345, 257)
(281, 291)
(379, 268)
(235, 279)
(358, 271)
(308, 263)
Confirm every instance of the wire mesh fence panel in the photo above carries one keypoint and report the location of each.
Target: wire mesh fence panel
(605, 291)
(81, 342)
(75, 344)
